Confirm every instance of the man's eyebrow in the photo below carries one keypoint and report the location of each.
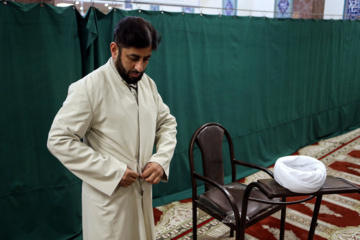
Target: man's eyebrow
(133, 55)
(138, 56)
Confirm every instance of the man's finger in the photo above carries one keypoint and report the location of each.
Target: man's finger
(147, 171)
(129, 177)
(153, 179)
(133, 174)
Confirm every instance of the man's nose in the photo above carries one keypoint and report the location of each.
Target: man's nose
(139, 66)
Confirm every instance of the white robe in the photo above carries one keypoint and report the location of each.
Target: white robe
(118, 133)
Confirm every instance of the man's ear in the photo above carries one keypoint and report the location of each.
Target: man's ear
(114, 49)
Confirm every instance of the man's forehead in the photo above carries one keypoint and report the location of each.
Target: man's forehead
(141, 52)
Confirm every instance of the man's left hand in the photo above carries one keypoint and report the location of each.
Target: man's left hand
(152, 173)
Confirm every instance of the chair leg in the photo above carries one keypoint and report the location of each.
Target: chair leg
(315, 217)
(194, 221)
(231, 232)
(240, 234)
(282, 224)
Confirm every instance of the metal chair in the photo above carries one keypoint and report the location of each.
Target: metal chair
(229, 203)
(237, 205)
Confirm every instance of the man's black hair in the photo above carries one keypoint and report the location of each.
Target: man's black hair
(136, 32)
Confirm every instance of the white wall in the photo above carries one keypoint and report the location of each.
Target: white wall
(333, 9)
(258, 8)
(261, 8)
(216, 4)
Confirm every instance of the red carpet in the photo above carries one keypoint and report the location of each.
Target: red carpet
(339, 216)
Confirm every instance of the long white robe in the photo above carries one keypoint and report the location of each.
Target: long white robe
(117, 133)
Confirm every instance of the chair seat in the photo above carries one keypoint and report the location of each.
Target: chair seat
(216, 202)
(332, 185)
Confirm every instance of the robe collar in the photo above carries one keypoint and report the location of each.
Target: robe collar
(133, 88)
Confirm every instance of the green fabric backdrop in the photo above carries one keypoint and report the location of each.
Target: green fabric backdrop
(275, 84)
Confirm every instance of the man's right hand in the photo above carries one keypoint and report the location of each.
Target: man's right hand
(129, 178)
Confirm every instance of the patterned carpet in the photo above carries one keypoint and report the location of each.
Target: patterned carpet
(339, 216)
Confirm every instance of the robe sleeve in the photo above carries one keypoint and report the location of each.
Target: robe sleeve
(64, 141)
(165, 137)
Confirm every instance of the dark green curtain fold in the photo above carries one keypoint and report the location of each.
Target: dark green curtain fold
(40, 55)
(275, 84)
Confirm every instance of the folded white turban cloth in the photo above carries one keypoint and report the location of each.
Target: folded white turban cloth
(300, 174)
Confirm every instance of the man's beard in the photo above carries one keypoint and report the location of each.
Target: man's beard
(124, 74)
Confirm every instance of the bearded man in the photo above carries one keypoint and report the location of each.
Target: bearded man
(105, 133)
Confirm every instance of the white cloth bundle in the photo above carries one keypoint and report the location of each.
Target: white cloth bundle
(300, 174)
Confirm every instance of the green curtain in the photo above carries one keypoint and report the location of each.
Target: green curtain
(275, 84)
(40, 56)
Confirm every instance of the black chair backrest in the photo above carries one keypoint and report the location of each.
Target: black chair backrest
(210, 141)
(209, 138)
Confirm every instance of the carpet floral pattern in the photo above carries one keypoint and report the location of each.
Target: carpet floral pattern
(339, 216)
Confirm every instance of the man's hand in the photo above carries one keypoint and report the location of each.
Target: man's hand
(152, 173)
(129, 178)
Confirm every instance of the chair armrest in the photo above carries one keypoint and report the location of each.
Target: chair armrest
(251, 165)
(211, 182)
(332, 185)
(269, 193)
(223, 190)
